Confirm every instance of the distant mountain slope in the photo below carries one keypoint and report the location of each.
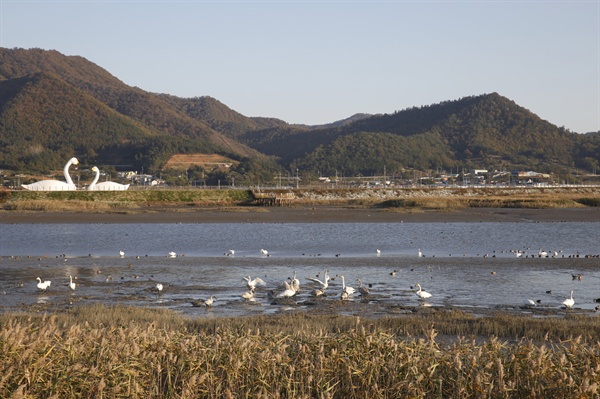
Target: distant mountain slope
(135, 103)
(44, 121)
(54, 106)
(487, 131)
(218, 116)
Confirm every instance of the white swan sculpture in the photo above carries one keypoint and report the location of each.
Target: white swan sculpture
(105, 185)
(55, 185)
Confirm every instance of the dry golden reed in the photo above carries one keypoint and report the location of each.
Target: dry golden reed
(139, 353)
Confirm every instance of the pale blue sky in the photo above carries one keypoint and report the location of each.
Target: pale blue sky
(315, 62)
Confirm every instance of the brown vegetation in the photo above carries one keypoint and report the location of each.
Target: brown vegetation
(143, 353)
(394, 200)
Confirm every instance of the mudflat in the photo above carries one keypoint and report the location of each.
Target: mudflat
(309, 214)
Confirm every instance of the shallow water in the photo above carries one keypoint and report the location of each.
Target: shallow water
(297, 239)
(454, 269)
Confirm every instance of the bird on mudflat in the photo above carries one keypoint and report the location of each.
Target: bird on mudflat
(422, 294)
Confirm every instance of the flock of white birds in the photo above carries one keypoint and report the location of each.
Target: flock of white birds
(290, 287)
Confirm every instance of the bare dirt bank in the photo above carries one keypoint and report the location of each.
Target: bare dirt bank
(309, 214)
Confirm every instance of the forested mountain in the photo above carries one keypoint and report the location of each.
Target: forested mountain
(54, 106)
(66, 91)
(487, 131)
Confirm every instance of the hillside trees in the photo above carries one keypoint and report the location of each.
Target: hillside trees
(368, 154)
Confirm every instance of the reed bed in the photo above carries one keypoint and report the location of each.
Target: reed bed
(114, 352)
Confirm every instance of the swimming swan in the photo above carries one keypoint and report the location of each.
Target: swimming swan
(55, 185)
(105, 185)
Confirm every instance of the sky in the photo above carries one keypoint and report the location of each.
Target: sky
(315, 62)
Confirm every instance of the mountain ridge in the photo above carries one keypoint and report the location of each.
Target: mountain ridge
(145, 129)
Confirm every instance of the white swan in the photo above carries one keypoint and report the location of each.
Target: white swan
(248, 294)
(378, 252)
(55, 185)
(209, 302)
(295, 283)
(529, 303)
(159, 287)
(230, 253)
(172, 254)
(348, 290)
(105, 185)
(71, 283)
(422, 294)
(323, 284)
(252, 283)
(569, 302)
(288, 292)
(264, 252)
(43, 286)
(121, 254)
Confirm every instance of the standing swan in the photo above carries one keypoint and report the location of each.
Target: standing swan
(569, 302)
(422, 294)
(105, 185)
(348, 290)
(362, 289)
(55, 185)
(71, 283)
(209, 302)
